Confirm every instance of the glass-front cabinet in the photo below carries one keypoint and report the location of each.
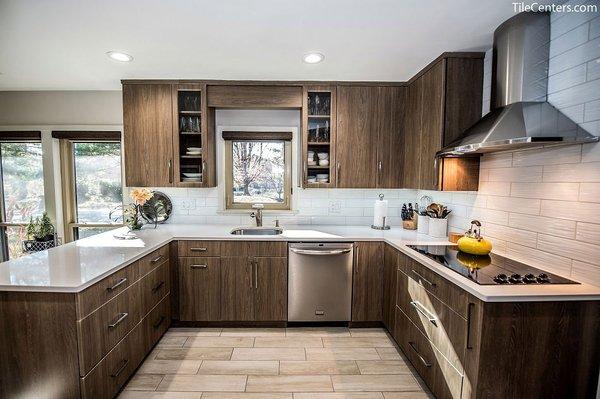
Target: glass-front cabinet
(318, 136)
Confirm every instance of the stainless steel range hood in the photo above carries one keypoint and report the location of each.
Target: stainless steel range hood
(520, 116)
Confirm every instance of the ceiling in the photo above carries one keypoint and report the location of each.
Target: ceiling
(62, 44)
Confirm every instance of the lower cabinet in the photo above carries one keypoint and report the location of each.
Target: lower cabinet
(270, 289)
(390, 268)
(237, 289)
(199, 288)
(367, 282)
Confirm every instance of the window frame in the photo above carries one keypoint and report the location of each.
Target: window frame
(69, 191)
(287, 176)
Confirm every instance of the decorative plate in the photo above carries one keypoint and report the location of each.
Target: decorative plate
(158, 208)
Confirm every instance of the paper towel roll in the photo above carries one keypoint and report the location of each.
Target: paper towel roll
(380, 212)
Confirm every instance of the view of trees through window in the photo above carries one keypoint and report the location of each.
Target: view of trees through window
(23, 189)
(258, 171)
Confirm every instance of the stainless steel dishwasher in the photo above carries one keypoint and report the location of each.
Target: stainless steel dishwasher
(320, 282)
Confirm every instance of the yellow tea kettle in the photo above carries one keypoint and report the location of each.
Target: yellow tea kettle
(473, 243)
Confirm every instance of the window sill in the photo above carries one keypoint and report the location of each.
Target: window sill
(265, 212)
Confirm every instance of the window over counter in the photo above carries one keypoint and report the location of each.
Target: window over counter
(258, 169)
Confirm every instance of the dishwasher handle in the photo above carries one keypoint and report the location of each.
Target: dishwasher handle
(319, 252)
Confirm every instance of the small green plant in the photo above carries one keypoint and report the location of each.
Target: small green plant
(40, 228)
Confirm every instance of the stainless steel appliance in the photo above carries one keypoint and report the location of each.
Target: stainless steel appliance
(489, 269)
(320, 282)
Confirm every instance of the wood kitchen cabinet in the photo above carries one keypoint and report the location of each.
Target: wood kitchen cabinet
(389, 115)
(270, 294)
(390, 267)
(199, 288)
(237, 288)
(148, 135)
(367, 283)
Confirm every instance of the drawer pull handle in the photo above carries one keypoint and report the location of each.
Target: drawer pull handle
(157, 259)
(422, 278)
(159, 322)
(117, 285)
(414, 348)
(120, 369)
(469, 322)
(119, 320)
(199, 266)
(202, 249)
(158, 286)
(423, 310)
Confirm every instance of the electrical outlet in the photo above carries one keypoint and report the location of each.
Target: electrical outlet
(335, 207)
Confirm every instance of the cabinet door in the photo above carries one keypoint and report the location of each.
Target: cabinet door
(367, 297)
(412, 136)
(148, 135)
(356, 151)
(237, 288)
(390, 260)
(390, 152)
(270, 289)
(200, 289)
(432, 124)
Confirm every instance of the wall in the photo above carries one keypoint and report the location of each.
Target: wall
(543, 206)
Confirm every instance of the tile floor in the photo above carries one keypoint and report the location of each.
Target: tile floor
(274, 363)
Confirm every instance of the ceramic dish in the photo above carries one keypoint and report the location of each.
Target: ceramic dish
(194, 175)
(158, 208)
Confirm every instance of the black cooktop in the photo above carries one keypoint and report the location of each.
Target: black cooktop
(488, 269)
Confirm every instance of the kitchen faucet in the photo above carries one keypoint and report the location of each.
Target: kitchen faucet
(257, 214)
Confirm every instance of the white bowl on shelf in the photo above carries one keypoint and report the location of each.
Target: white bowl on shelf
(323, 162)
(194, 149)
(192, 175)
(323, 155)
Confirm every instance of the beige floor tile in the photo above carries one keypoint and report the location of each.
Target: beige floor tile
(289, 383)
(171, 342)
(193, 332)
(159, 395)
(288, 342)
(194, 354)
(317, 331)
(144, 382)
(202, 383)
(246, 395)
(363, 342)
(266, 367)
(368, 332)
(383, 367)
(406, 395)
(169, 367)
(342, 354)
(253, 332)
(268, 354)
(323, 367)
(339, 395)
(399, 382)
(222, 342)
(389, 354)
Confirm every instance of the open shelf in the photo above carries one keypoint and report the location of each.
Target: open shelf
(319, 116)
(319, 126)
(318, 167)
(192, 113)
(189, 108)
(319, 143)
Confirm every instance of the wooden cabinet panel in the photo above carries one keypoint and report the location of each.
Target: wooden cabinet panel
(391, 103)
(200, 289)
(237, 289)
(412, 136)
(254, 96)
(367, 297)
(390, 260)
(356, 154)
(148, 135)
(198, 248)
(153, 259)
(432, 124)
(156, 323)
(155, 286)
(270, 295)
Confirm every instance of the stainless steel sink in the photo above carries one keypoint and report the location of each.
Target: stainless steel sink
(257, 231)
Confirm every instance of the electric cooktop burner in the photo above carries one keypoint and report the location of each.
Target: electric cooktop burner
(488, 269)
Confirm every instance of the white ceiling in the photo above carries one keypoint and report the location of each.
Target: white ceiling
(61, 44)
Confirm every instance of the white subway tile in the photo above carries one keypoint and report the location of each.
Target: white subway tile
(497, 160)
(458, 210)
(592, 111)
(579, 211)
(573, 38)
(586, 273)
(573, 249)
(568, 78)
(499, 246)
(359, 221)
(345, 193)
(209, 201)
(494, 188)
(321, 202)
(541, 224)
(204, 210)
(558, 191)
(314, 211)
(487, 215)
(524, 174)
(476, 200)
(228, 219)
(579, 172)
(512, 204)
(561, 26)
(522, 237)
(548, 156)
(328, 220)
(354, 212)
(588, 232)
(186, 219)
(595, 28)
(578, 55)
(589, 192)
(359, 203)
(459, 223)
(314, 193)
(484, 175)
(544, 260)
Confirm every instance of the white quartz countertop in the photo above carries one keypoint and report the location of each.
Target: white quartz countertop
(75, 266)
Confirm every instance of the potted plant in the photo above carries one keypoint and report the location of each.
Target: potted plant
(40, 234)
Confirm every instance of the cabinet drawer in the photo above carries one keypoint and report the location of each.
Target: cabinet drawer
(103, 291)
(445, 328)
(253, 248)
(153, 259)
(156, 323)
(444, 290)
(439, 375)
(198, 248)
(100, 331)
(109, 376)
(155, 286)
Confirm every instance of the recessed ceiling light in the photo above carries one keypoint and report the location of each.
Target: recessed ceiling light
(313, 58)
(119, 56)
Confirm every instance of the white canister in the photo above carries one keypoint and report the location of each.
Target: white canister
(438, 227)
(423, 224)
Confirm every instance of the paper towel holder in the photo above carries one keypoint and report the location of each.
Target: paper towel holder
(385, 226)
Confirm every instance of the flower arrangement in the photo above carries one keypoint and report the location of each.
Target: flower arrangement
(131, 213)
